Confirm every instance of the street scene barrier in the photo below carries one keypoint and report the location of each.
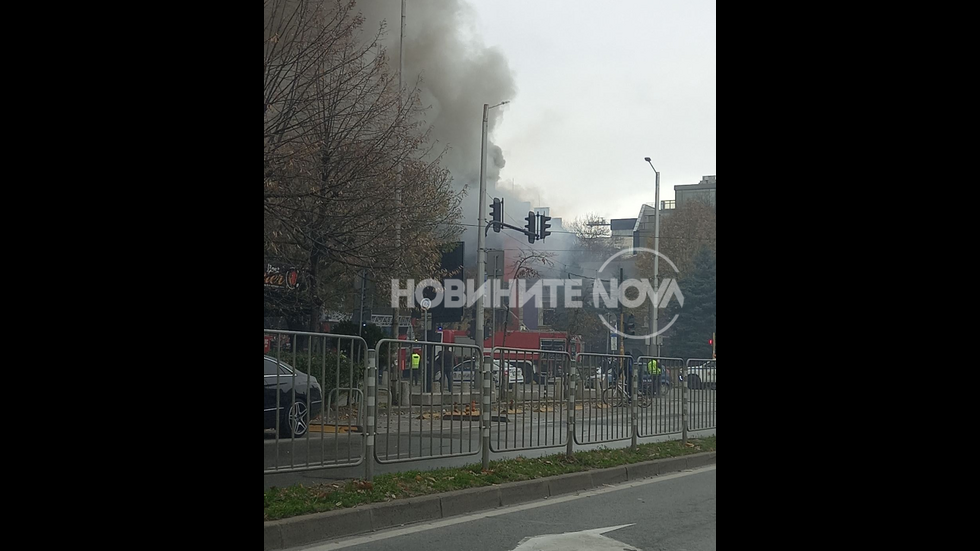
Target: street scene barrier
(332, 402)
(528, 394)
(313, 413)
(603, 398)
(663, 415)
(429, 397)
(702, 406)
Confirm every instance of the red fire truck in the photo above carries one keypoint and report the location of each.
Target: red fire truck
(530, 362)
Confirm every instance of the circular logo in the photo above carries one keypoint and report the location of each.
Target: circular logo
(623, 288)
(426, 303)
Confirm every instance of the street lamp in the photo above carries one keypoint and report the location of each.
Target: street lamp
(481, 270)
(655, 315)
(481, 257)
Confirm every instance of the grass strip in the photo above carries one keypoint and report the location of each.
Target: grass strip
(300, 499)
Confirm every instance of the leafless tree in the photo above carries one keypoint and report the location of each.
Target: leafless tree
(338, 139)
(593, 236)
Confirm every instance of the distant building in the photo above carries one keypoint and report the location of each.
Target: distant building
(643, 229)
(701, 191)
(622, 232)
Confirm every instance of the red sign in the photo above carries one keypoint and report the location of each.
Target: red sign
(280, 277)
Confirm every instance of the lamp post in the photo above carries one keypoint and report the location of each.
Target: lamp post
(481, 270)
(396, 314)
(655, 314)
(481, 256)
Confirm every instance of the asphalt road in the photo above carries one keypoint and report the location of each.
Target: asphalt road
(674, 511)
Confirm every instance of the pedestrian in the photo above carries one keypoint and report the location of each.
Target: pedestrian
(447, 364)
(430, 371)
(629, 378)
(416, 359)
(654, 370)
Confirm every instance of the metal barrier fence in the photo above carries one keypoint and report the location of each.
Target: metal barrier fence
(312, 400)
(664, 410)
(528, 398)
(702, 408)
(463, 401)
(603, 408)
(430, 394)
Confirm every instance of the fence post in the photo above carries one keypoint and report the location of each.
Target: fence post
(372, 393)
(485, 410)
(570, 389)
(634, 405)
(684, 404)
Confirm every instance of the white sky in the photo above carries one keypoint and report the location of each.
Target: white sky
(600, 86)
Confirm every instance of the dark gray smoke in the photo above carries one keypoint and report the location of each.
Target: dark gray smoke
(459, 74)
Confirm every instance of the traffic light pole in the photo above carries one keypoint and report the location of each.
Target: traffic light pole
(486, 231)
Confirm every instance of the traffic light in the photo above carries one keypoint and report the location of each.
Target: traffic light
(531, 227)
(631, 325)
(497, 213)
(543, 227)
(711, 341)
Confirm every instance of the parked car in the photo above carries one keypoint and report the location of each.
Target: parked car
(602, 375)
(469, 372)
(701, 376)
(539, 371)
(646, 382)
(300, 398)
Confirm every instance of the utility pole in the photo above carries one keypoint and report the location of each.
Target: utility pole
(360, 315)
(395, 325)
(622, 326)
(655, 310)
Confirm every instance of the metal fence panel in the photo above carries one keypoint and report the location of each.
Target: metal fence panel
(313, 418)
(602, 399)
(528, 398)
(663, 414)
(431, 411)
(702, 407)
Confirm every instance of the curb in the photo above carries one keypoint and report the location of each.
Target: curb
(317, 527)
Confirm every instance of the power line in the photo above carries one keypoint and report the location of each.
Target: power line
(679, 238)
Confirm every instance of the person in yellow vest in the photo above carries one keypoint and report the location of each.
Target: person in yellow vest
(654, 370)
(416, 359)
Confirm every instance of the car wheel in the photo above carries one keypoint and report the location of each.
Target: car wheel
(295, 422)
(694, 382)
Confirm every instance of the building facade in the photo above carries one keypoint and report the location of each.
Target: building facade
(701, 191)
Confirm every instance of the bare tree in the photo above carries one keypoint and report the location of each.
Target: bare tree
(593, 237)
(526, 266)
(337, 141)
(682, 233)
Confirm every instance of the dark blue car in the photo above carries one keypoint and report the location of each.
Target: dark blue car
(299, 399)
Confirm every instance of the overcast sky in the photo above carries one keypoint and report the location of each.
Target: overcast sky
(600, 86)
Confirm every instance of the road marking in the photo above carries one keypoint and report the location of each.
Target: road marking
(431, 525)
(586, 540)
